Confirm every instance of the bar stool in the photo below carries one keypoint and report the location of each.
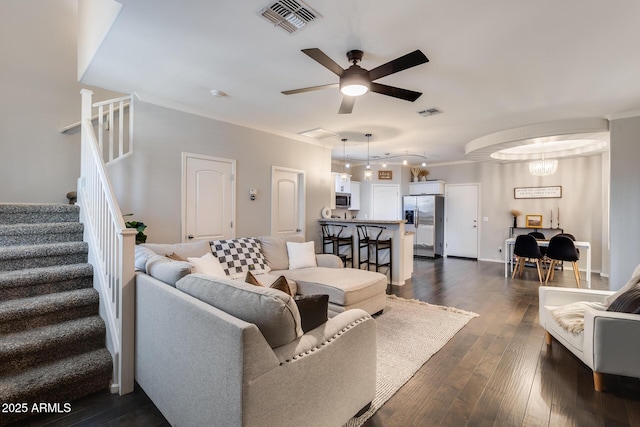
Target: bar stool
(369, 238)
(332, 234)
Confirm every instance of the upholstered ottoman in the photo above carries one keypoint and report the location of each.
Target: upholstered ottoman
(347, 287)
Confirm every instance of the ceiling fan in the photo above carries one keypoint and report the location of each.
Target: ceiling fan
(356, 81)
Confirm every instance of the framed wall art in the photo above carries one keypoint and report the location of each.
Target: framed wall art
(383, 174)
(534, 221)
(554, 192)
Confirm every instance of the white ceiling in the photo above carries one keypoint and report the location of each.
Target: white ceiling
(494, 65)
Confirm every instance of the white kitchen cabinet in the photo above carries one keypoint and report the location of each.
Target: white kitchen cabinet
(355, 196)
(342, 186)
(426, 187)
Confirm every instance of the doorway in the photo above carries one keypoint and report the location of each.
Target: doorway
(287, 201)
(385, 201)
(461, 211)
(208, 197)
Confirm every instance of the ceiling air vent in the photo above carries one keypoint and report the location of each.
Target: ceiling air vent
(290, 15)
(430, 112)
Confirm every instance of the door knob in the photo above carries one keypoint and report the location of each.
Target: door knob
(190, 236)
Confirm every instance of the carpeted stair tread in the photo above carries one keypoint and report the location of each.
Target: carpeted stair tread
(26, 349)
(30, 234)
(32, 256)
(23, 213)
(61, 381)
(43, 280)
(24, 313)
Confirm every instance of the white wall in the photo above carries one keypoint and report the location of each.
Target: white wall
(581, 205)
(148, 183)
(625, 199)
(41, 95)
(95, 20)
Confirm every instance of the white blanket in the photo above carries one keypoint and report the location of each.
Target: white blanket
(571, 316)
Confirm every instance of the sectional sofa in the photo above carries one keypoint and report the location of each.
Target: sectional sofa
(218, 351)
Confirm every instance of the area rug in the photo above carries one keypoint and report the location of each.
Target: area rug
(409, 333)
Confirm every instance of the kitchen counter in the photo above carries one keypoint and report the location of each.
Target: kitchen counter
(362, 221)
(395, 230)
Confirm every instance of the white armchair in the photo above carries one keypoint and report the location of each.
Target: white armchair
(610, 342)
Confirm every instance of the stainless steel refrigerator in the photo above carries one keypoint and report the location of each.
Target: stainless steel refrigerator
(425, 217)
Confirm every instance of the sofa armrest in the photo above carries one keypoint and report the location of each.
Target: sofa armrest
(610, 342)
(315, 338)
(329, 260)
(562, 296)
(326, 382)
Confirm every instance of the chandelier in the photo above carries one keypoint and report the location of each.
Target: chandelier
(543, 167)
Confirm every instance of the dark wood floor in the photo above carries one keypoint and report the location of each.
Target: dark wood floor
(497, 371)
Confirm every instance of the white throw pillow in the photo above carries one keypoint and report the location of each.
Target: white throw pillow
(301, 255)
(207, 264)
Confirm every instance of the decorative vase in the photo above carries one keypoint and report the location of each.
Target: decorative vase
(424, 179)
(415, 179)
(515, 221)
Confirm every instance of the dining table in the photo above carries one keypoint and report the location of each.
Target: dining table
(509, 245)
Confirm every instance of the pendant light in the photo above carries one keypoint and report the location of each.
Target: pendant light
(367, 169)
(344, 175)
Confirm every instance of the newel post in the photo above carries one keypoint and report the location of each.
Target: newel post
(87, 101)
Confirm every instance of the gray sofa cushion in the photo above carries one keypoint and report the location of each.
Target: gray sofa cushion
(142, 254)
(274, 250)
(183, 250)
(345, 286)
(273, 312)
(166, 270)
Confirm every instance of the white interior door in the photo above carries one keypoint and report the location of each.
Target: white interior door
(385, 201)
(208, 198)
(287, 202)
(462, 220)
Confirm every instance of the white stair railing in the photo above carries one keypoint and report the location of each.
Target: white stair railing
(114, 143)
(111, 251)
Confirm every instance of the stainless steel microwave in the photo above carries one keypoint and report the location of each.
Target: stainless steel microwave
(343, 200)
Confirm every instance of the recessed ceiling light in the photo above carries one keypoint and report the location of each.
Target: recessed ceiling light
(318, 133)
(217, 93)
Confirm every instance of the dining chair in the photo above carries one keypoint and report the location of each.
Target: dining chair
(526, 248)
(562, 248)
(539, 236)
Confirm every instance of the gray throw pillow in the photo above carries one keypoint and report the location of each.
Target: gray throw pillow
(628, 302)
(166, 270)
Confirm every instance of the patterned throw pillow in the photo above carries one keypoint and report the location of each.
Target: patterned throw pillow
(628, 302)
(237, 256)
(280, 283)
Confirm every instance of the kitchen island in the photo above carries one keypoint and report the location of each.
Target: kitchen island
(394, 229)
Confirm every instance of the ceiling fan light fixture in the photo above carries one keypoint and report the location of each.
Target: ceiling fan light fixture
(355, 81)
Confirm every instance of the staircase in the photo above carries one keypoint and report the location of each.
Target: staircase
(52, 340)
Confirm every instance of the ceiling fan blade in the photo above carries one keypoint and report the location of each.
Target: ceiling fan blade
(322, 59)
(311, 88)
(396, 92)
(407, 61)
(346, 107)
